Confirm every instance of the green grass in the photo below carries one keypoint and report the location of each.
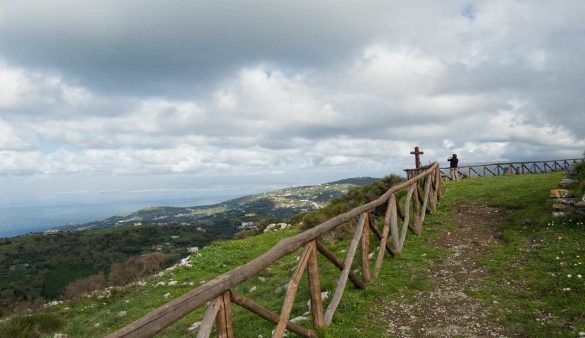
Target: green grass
(526, 278)
(35, 325)
(529, 273)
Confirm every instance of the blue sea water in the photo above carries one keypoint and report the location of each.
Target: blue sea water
(22, 219)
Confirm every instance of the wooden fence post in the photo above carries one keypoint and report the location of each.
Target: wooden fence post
(315, 288)
(365, 252)
(291, 292)
(343, 277)
(384, 237)
(209, 317)
(224, 317)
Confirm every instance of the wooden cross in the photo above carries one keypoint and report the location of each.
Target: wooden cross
(417, 154)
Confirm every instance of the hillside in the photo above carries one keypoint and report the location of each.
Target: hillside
(279, 204)
(531, 285)
(42, 264)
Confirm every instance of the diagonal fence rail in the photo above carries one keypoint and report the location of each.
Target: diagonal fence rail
(404, 205)
(504, 168)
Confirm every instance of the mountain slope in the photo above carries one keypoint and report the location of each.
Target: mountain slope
(281, 203)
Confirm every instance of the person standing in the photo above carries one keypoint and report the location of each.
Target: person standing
(453, 166)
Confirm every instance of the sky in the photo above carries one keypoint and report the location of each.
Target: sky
(109, 98)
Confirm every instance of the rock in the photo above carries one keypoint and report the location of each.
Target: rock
(283, 225)
(284, 335)
(262, 279)
(53, 303)
(122, 313)
(562, 207)
(185, 262)
(567, 183)
(324, 296)
(568, 201)
(194, 326)
(276, 226)
(298, 319)
(560, 193)
(167, 295)
(173, 282)
(580, 205)
(270, 227)
(252, 289)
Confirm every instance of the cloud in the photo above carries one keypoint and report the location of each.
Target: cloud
(22, 89)
(11, 139)
(295, 89)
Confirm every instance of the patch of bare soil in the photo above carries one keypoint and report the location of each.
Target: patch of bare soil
(445, 310)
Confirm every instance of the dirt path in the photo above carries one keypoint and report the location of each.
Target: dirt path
(445, 309)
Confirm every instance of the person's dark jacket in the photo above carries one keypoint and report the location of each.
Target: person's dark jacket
(453, 162)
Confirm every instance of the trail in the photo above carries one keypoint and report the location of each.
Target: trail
(444, 309)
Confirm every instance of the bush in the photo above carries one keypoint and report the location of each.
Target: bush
(29, 326)
(135, 267)
(353, 198)
(84, 286)
(245, 234)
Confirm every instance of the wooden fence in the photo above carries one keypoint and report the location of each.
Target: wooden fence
(505, 168)
(405, 207)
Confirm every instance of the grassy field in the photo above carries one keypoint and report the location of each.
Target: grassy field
(534, 273)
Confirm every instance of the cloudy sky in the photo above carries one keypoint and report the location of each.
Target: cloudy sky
(129, 96)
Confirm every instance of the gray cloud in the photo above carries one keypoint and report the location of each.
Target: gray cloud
(284, 89)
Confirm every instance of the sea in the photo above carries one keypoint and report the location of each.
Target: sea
(21, 219)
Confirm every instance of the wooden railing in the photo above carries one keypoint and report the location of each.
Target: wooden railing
(405, 207)
(504, 168)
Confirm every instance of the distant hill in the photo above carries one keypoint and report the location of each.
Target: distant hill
(280, 203)
(356, 181)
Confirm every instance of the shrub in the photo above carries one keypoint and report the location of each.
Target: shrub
(353, 198)
(245, 234)
(84, 286)
(31, 326)
(136, 267)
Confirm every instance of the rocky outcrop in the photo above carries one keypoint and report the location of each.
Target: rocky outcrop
(567, 183)
(580, 206)
(561, 193)
(563, 199)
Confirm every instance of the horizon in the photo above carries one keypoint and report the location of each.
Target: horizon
(53, 216)
(129, 205)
